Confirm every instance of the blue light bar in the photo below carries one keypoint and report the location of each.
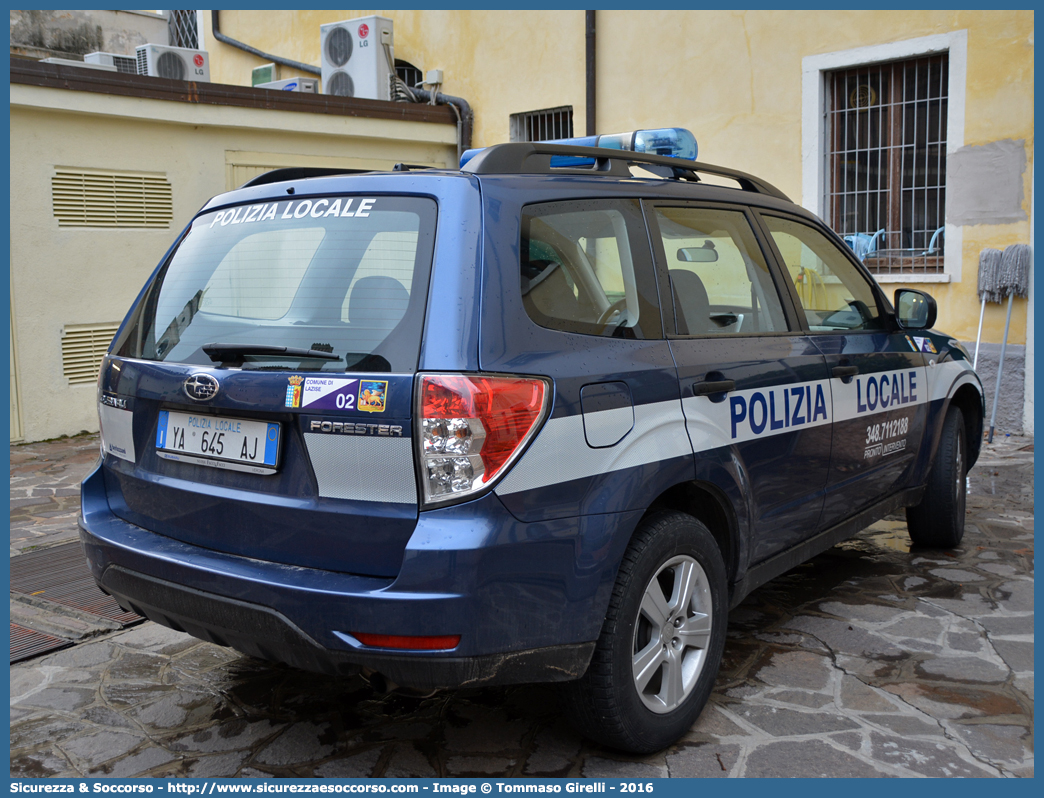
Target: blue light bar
(674, 142)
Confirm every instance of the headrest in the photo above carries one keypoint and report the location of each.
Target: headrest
(378, 301)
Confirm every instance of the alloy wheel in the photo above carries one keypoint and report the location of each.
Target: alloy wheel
(672, 633)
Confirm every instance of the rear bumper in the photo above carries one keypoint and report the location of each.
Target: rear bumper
(265, 633)
(527, 599)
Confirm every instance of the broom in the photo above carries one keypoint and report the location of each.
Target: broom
(1012, 279)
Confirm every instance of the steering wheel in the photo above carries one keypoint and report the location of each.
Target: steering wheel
(618, 306)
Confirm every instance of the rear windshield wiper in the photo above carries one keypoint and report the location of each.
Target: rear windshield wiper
(228, 352)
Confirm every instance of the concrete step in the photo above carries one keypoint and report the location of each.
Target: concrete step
(55, 619)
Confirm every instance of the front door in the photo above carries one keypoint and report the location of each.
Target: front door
(878, 383)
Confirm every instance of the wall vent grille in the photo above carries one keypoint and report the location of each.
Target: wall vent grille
(83, 347)
(109, 199)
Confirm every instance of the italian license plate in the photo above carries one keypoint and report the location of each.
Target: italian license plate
(237, 444)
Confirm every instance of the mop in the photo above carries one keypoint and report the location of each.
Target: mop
(1012, 280)
(989, 263)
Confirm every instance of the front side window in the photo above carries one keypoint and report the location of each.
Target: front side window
(886, 162)
(338, 282)
(830, 290)
(719, 280)
(584, 269)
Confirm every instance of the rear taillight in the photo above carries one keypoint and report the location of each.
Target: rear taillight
(471, 428)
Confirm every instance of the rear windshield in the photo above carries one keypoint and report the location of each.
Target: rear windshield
(340, 282)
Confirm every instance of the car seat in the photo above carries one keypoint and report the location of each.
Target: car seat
(546, 290)
(377, 302)
(692, 307)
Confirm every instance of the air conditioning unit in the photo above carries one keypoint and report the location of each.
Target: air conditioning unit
(358, 58)
(306, 85)
(81, 64)
(177, 63)
(123, 63)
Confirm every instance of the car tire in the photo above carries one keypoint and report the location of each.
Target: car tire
(661, 642)
(938, 521)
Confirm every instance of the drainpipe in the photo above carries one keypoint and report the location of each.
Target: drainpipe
(311, 70)
(465, 117)
(590, 36)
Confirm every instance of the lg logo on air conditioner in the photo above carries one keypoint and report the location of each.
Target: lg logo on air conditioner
(197, 59)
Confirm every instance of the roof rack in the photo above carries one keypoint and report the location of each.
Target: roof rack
(534, 158)
(411, 167)
(299, 173)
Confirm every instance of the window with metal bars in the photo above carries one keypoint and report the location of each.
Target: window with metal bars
(181, 29)
(550, 123)
(408, 73)
(886, 162)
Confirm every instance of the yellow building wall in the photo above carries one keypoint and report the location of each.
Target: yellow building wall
(501, 62)
(732, 77)
(66, 275)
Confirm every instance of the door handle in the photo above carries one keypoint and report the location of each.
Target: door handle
(846, 373)
(712, 387)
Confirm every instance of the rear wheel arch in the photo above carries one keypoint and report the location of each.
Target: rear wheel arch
(643, 690)
(703, 501)
(708, 505)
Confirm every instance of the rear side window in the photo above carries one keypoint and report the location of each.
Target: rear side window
(585, 268)
(343, 276)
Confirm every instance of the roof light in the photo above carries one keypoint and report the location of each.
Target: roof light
(674, 142)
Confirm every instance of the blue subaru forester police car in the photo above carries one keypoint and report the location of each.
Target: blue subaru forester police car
(543, 418)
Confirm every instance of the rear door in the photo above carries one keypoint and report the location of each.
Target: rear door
(266, 381)
(571, 294)
(878, 381)
(753, 386)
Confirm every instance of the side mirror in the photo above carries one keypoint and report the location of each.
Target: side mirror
(915, 310)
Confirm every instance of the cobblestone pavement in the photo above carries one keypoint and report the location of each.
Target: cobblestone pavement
(870, 660)
(45, 490)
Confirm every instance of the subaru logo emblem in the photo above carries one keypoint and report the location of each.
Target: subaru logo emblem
(201, 387)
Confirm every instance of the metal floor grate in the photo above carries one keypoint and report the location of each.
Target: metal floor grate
(60, 574)
(26, 643)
